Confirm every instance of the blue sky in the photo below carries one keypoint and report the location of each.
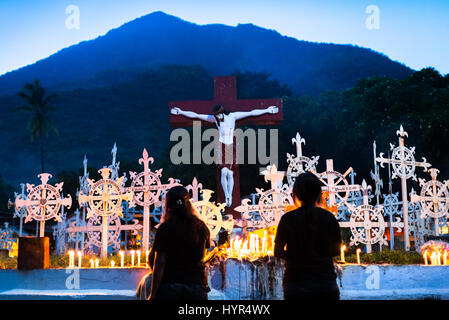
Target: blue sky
(415, 33)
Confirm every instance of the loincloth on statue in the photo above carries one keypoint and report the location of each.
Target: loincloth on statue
(227, 156)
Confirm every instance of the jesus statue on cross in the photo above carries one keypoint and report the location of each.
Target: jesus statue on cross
(225, 122)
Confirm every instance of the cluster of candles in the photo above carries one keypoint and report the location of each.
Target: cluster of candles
(136, 260)
(253, 247)
(435, 258)
(342, 254)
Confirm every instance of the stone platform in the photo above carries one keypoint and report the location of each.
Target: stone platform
(234, 280)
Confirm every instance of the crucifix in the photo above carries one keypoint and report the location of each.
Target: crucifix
(43, 202)
(147, 188)
(226, 112)
(404, 164)
(105, 199)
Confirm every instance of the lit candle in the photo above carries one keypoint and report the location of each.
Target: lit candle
(358, 255)
(147, 253)
(132, 258)
(433, 258)
(425, 257)
(71, 259)
(97, 263)
(438, 258)
(112, 263)
(138, 258)
(92, 263)
(80, 258)
(342, 253)
(122, 259)
(445, 258)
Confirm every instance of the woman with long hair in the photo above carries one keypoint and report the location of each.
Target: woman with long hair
(307, 239)
(180, 243)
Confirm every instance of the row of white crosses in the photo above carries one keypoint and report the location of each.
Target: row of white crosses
(271, 204)
(366, 221)
(6, 237)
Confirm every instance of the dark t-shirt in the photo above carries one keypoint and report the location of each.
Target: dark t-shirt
(312, 240)
(184, 248)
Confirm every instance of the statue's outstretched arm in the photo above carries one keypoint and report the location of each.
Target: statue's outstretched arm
(193, 115)
(255, 112)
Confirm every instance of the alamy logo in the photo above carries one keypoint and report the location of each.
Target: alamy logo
(373, 20)
(73, 19)
(72, 282)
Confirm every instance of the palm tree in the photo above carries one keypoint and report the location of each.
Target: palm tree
(38, 106)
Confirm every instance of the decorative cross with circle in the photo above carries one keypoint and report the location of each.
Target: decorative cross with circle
(105, 198)
(43, 202)
(271, 204)
(366, 222)
(211, 214)
(148, 189)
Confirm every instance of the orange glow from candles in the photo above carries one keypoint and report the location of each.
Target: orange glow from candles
(436, 251)
(254, 245)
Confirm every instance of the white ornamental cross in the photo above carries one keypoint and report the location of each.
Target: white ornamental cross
(404, 164)
(95, 231)
(418, 226)
(147, 189)
(376, 176)
(6, 237)
(367, 224)
(335, 184)
(105, 199)
(43, 202)
(271, 204)
(355, 198)
(211, 214)
(300, 163)
(76, 238)
(434, 198)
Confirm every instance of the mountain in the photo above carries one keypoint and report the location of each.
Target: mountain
(157, 39)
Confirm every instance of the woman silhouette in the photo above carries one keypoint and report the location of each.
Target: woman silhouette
(179, 246)
(307, 238)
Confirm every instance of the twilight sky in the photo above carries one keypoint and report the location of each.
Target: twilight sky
(414, 32)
